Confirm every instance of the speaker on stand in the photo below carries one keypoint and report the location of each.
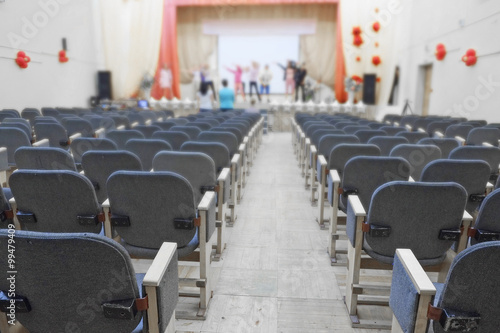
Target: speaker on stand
(369, 86)
(104, 85)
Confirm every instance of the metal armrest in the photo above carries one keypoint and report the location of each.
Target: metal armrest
(161, 280)
(334, 175)
(411, 180)
(461, 140)
(320, 168)
(107, 221)
(206, 212)
(487, 144)
(4, 159)
(438, 134)
(357, 207)
(422, 284)
(134, 124)
(42, 143)
(313, 152)
(420, 129)
(121, 127)
(99, 133)
(74, 136)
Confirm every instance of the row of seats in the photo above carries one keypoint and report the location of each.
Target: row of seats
(411, 196)
(161, 201)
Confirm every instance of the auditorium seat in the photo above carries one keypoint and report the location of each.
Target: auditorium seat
(22, 126)
(89, 283)
(487, 227)
(199, 170)
(459, 130)
(401, 215)
(473, 308)
(417, 155)
(445, 144)
(150, 208)
(120, 137)
(386, 143)
(147, 130)
(192, 131)
(146, 149)
(99, 165)
(30, 114)
(50, 112)
(480, 135)
(78, 125)
(174, 138)
(44, 158)
(365, 135)
(164, 125)
(413, 137)
(81, 145)
(491, 155)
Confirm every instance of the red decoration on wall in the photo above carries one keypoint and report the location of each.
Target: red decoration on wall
(358, 58)
(470, 57)
(357, 78)
(440, 51)
(22, 59)
(358, 40)
(62, 56)
(379, 79)
(376, 26)
(376, 44)
(376, 60)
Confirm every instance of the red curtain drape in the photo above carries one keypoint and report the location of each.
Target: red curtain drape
(168, 48)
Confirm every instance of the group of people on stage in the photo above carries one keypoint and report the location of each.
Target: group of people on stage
(294, 77)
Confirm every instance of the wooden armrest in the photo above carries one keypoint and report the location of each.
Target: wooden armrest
(356, 205)
(420, 129)
(12, 201)
(242, 147)
(75, 136)
(334, 175)
(82, 173)
(308, 141)
(487, 144)
(245, 139)
(121, 127)
(134, 124)
(411, 180)
(3, 149)
(417, 274)
(42, 143)
(396, 123)
(99, 132)
(408, 126)
(322, 160)
(105, 204)
(489, 186)
(439, 134)
(302, 135)
(148, 122)
(467, 216)
(313, 149)
(461, 140)
(160, 263)
(205, 202)
(235, 159)
(160, 119)
(224, 175)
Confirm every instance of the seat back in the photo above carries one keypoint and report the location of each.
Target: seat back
(147, 130)
(146, 149)
(76, 125)
(364, 174)
(458, 130)
(192, 131)
(164, 125)
(59, 201)
(226, 138)
(365, 135)
(80, 146)
(439, 126)
(343, 152)
(311, 129)
(174, 138)
(470, 286)
(487, 218)
(413, 137)
(44, 158)
(179, 121)
(445, 144)
(479, 135)
(217, 151)
(50, 112)
(23, 127)
(99, 165)
(200, 125)
(386, 143)
(54, 132)
(30, 114)
(491, 155)
(102, 122)
(13, 138)
(351, 129)
(417, 155)
(471, 174)
(95, 269)
(393, 130)
(197, 168)
(152, 201)
(416, 213)
(121, 137)
(234, 130)
(328, 142)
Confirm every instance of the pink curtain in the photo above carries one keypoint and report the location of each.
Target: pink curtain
(168, 48)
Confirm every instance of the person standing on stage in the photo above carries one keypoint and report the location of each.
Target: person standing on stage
(207, 78)
(265, 81)
(289, 74)
(254, 76)
(300, 76)
(238, 86)
(205, 98)
(226, 97)
(166, 81)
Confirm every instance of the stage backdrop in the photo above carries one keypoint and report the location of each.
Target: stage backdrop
(181, 19)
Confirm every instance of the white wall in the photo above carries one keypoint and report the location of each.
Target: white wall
(46, 82)
(458, 90)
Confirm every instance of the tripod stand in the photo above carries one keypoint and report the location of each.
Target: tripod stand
(406, 108)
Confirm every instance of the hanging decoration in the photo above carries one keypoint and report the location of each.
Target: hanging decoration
(357, 79)
(440, 51)
(376, 26)
(358, 58)
(22, 59)
(62, 56)
(358, 40)
(379, 79)
(376, 60)
(470, 57)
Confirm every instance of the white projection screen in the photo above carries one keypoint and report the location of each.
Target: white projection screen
(264, 49)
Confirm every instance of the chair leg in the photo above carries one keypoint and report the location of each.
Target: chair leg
(332, 239)
(321, 199)
(313, 182)
(205, 251)
(353, 268)
(221, 225)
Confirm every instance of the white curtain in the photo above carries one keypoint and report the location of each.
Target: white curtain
(364, 13)
(131, 31)
(318, 50)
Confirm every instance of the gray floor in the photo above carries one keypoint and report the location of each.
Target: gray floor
(275, 274)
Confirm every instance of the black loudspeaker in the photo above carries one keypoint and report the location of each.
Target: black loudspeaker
(369, 85)
(104, 85)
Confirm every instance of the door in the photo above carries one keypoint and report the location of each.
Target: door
(427, 89)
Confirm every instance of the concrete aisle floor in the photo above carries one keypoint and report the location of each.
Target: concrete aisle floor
(275, 274)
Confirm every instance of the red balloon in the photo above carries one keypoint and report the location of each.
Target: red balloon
(357, 78)
(27, 59)
(358, 59)
(376, 26)
(440, 52)
(376, 60)
(440, 46)
(356, 31)
(357, 40)
(470, 57)
(471, 52)
(62, 53)
(21, 54)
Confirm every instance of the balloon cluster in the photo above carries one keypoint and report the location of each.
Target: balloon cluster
(470, 57)
(358, 40)
(440, 51)
(62, 56)
(22, 59)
